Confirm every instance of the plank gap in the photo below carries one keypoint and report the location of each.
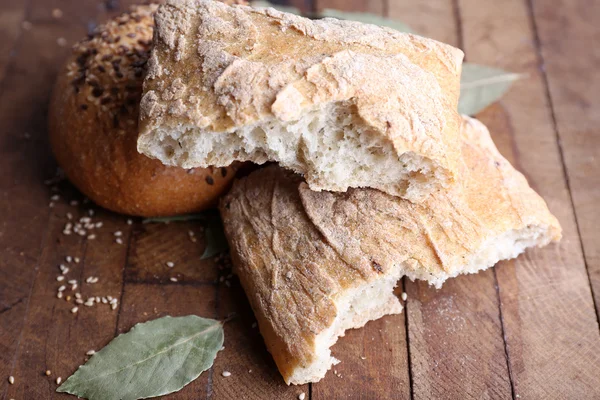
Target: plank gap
(506, 352)
(544, 75)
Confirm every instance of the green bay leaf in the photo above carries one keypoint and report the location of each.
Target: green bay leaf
(215, 239)
(152, 359)
(365, 18)
(480, 86)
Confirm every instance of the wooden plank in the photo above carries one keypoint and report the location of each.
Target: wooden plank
(434, 19)
(159, 243)
(12, 15)
(253, 371)
(568, 31)
(144, 302)
(27, 349)
(548, 315)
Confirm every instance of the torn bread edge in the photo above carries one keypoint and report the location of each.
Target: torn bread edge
(314, 264)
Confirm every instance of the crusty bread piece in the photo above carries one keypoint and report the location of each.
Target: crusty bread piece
(344, 103)
(92, 125)
(316, 263)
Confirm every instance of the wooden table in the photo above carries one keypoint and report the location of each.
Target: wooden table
(526, 329)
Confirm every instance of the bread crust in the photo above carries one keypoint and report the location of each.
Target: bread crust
(334, 242)
(253, 66)
(93, 127)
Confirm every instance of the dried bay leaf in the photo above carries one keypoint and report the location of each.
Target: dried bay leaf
(480, 86)
(152, 359)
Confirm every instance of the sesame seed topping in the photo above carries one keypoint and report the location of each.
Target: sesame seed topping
(60, 278)
(58, 380)
(76, 259)
(129, 222)
(173, 279)
(301, 396)
(170, 264)
(91, 237)
(226, 374)
(55, 197)
(404, 296)
(77, 295)
(114, 306)
(62, 288)
(57, 13)
(118, 233)
(11, 380)
(48, 372)
(90, 352)
(74, 202)
(288, 275)
(61, 41)
(78, 301)
(74, 309)
(69, 216)
(119, 241)
(72, 282)
(59, 295)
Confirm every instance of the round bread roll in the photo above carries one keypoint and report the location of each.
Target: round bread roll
(93, 127)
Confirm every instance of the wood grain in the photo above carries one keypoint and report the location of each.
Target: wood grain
(568, 33)
(549, 320)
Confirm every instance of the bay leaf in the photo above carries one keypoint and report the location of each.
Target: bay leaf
(152, 359)
(480, 86)
(266, 4)
(214, 234)
(366, 18)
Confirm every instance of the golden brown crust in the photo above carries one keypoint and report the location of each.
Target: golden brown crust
(93, 127)
(330, 242)
(256, 65)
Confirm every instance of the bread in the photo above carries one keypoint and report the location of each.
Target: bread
(314, 264)
(344, 103)
(93, 127)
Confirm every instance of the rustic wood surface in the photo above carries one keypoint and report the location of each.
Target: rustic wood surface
(526, 329)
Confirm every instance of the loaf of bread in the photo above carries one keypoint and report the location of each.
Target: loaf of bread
(314, 264)
(343, 103)
(93, 129)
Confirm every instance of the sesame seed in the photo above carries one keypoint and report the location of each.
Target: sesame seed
(119, 241)
(91, 212)
(74, 309)
(90, 352)
(76, 259)
(62, 288)
(170, 264)
(114, 306)
(226, 374)
(60, 278)
(288, 275)
(51, 205)
(114, 301)
(118, 233)
(69, 259)
(78, 301)
(191, 233)
(57, 13)
(65, 271)
(74, 287)
(11, 380)
(77, 295)
(91, 237)
(97, 299)
(129, 222)
(109, 298)
(58, 380)
(68, 298)
(55, 197)
(48, 372)
(404, 296)
(99, 224)
(61, 41)
(69, 216)
(72, 282)
(104, 300)
(173, 279)
(74, 202)
(88, 303)
(59, 295)
(301, 396)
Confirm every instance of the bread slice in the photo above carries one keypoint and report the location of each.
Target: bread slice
(314, 264)
(344, 103)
